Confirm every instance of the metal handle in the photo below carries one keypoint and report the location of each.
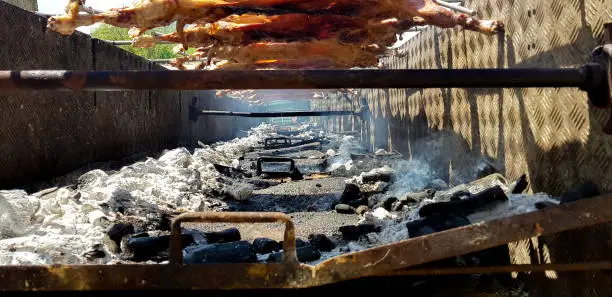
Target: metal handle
(289, 252)
(260, 162)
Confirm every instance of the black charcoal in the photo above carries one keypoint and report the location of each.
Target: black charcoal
(265, 245)
(353, 232)
(304, 254)
(585, 190)
(465, 206)
(227, 235)
(351, 192)
(321, 242)
(229, 252)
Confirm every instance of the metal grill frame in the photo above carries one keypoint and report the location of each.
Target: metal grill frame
(392, 259)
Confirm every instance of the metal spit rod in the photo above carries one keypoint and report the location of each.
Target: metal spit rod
(130, 42)
(585, 77)
(278, 114)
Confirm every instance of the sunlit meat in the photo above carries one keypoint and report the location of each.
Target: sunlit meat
(147, 14)
(281, 28)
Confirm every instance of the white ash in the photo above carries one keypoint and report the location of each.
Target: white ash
(385, 170)
(17, 211)
(380, 152)
(62, 226)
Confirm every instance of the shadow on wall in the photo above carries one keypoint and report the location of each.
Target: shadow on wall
(553, 135)
(209, 129)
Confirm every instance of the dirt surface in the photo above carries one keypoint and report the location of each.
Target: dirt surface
(306, 223)
(306, 195)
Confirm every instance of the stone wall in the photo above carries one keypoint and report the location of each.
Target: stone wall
(47, 133)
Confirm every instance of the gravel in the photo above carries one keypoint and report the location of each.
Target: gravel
(306, 223)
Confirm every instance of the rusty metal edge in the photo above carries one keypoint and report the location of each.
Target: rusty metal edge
(371, 262)
(587, 266)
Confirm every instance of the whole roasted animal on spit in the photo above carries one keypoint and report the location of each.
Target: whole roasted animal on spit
(304, 34)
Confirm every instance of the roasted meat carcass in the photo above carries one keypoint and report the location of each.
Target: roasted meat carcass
(247, 28)
(147, 14)
(277, 33)
(315, 54)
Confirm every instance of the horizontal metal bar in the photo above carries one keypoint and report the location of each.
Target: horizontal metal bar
(591, 266)
(129, 42)
(297, 79)
(455, 7)
(277, 114)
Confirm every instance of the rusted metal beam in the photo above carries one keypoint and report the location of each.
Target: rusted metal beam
(590, 266)
(456, 7)
(586, 78)
(372, 262)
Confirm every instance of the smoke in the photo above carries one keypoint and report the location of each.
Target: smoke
(410, 176)
(342, 157)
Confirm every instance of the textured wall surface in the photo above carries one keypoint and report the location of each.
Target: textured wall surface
(44, 134)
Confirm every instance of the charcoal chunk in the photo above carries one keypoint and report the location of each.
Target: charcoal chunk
(321, 242)
(198, 236)
(145, 248)
(227, 235)
(304, 254)
(351, 192)
(120, 230)
(265, 245)
(296, 174)
(97, 252)
(465, 206)
(521, 185)
(301, 243)
(583, 191)
(544, 204)
(344, 209)
(230, 252)
(353, 232)
(370, 178)
(298, 243)
(435, 223)
(486, 170)
(388, 203)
